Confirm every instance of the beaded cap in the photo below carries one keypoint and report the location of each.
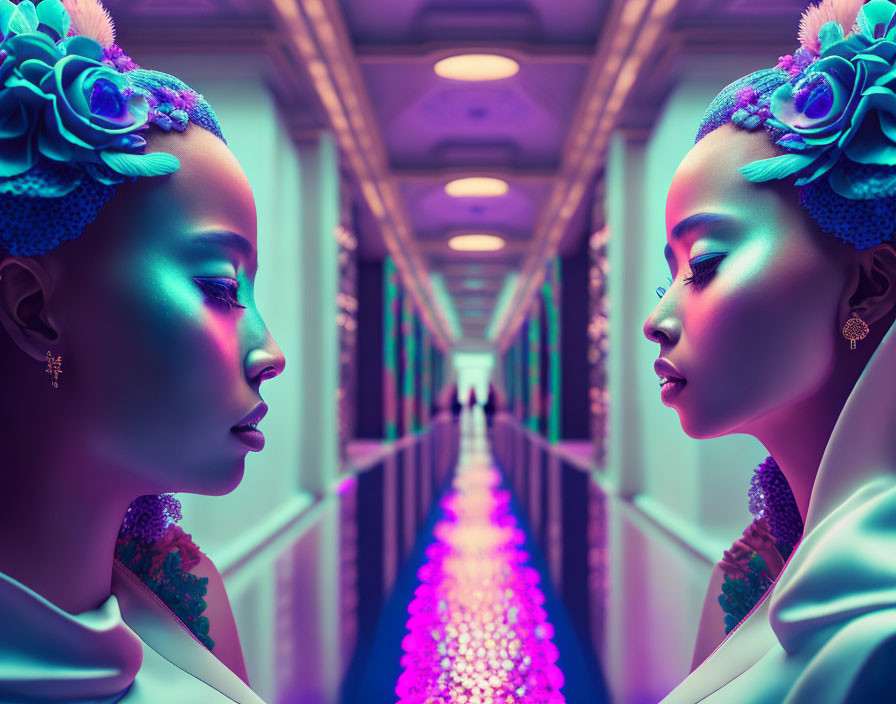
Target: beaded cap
(831, 108)
(74, 109)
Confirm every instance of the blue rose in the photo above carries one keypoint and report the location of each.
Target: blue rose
(59, 101)
(840, 112)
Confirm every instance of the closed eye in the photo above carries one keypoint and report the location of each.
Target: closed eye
(702, 269)
(224, 291)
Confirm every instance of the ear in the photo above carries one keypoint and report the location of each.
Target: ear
(872, 288)
(24, 290)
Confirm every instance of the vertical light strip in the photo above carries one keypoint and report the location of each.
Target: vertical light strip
(426, 379)
(510, 375)
(390, 353)
(520, 409)
(534, 371)
(409, 343)
(446, 303)
(550, 293)
(347, 320)
(598, 342)
(501, 304)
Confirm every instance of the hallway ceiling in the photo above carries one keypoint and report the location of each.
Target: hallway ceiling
(365, 67)
(438, 129)
(543, 130)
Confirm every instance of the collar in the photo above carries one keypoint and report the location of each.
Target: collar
(50, 655)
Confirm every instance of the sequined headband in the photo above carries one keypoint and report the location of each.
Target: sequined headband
(74, 109)
(831, 107)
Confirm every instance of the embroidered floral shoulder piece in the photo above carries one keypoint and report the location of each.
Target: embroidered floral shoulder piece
(163, 565)
(755, 559)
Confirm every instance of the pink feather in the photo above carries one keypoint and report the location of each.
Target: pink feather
(90, 19)
(813, 19)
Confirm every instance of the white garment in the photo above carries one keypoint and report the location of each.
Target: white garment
(132, 649)
(826, 631)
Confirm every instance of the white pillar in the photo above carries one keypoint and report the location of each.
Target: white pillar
(318, 286)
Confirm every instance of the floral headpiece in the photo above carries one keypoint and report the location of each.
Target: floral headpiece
(73, 110)
(831, 106)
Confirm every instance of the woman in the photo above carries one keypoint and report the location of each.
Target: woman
(132, 354)
(778, 323)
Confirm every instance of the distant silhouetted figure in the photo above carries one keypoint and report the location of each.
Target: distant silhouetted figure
(455, 403)
(490, 405)
(472, 401)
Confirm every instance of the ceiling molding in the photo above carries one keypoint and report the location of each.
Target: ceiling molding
(250, 34)
(473, 271)
(628, 38)
(441, 247)
(435, 51)
(316, 33)
(434, 176)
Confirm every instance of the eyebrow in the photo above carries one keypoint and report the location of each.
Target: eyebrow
(226, 238)
(690, 223)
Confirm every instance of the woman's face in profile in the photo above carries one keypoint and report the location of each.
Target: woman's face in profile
(163, 346)
(752, 316)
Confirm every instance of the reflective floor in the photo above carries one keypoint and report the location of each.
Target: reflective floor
(473, 618)
(477, 630)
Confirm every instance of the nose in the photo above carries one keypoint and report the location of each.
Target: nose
(662, 326)
(265, 362)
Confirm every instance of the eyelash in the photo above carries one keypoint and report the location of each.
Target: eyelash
(223, 290)
(702, 270)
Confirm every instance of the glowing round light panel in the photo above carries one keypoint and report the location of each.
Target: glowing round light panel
(476, 243)
(476, 187)
(476, 67)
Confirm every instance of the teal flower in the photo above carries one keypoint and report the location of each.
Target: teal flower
(59, 101)
(840, 112)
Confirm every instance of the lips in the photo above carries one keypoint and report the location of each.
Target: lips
(253, 418)
(671, 380)
(666, 371)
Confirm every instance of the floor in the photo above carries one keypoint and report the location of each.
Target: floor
(472, 618)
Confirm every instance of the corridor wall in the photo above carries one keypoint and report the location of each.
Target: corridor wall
(529, 369)
(414, 360)
(292, 541)
(633, 520)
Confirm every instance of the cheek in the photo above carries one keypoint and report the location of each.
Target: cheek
(759, 336)
(156, 367)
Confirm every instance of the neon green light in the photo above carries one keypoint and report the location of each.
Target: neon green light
(532, 421)
(550, 290)
(390, 360)
(410, 366)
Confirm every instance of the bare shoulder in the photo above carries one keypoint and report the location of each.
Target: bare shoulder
(222, 626)
(711, 629)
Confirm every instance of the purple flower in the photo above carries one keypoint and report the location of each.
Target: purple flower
(114, 56)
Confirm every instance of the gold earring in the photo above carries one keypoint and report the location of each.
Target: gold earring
(855, 329)
(54, 367)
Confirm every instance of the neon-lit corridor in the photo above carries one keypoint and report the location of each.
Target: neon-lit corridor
(478, 632)
(405, 381)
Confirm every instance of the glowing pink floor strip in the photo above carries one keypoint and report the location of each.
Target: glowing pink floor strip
(478, 632)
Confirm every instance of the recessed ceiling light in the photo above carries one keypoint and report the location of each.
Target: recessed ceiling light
(477, 186)
(476, 243)
(474, 283)
(476, 67)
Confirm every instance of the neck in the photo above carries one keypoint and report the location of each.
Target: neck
(797, 436)
(62, 510)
